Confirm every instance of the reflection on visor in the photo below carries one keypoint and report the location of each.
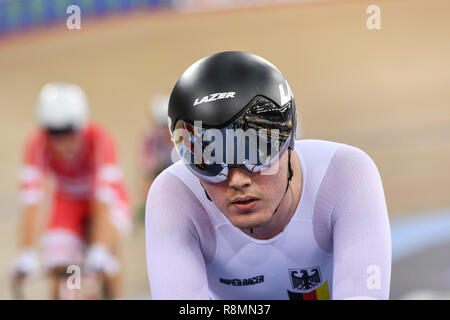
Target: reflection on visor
(252, 141)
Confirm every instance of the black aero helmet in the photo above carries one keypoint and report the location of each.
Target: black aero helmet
(231, 90)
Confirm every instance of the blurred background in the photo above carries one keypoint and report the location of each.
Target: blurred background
(385, 91)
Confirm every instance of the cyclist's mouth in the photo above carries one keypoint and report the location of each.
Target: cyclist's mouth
(244, 203)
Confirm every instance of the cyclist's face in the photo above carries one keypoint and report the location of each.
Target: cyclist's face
(248, 199)
(65, 145)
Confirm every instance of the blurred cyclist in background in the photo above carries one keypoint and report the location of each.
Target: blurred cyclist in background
(90, 205)
(154, 153)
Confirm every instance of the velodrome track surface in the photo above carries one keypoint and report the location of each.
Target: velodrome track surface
(383, 91)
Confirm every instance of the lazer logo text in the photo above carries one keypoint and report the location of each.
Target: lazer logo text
(214, 97)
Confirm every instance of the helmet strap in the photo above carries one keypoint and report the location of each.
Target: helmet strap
(290, 175)
(207, 195)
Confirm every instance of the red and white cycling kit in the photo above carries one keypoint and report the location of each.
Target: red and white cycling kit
(92, 173)
(337, 245)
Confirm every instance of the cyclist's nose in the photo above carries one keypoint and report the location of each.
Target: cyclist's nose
(239, 178)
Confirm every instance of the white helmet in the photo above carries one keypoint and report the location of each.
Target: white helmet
(62, 105)
(158, 108)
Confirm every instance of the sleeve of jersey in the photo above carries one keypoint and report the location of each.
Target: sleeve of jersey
(361, 238)
(31, 172)
(175, 264)
(108, 175)
(109, 183)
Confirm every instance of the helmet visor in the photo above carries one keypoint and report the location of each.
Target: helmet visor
(253, 141)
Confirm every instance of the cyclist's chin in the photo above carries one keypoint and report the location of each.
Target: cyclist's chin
(250, 219)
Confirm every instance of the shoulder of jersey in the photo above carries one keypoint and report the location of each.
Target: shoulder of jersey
(316, 144)
(96, 130)
(93, 127)
(178, 168)
(316, 152)
(36, 138)
(319, 152)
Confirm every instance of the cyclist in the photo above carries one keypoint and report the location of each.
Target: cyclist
(276, 219)
(90, 205)
(154, 154)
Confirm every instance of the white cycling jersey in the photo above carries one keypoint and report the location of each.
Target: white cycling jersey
(337, 244)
